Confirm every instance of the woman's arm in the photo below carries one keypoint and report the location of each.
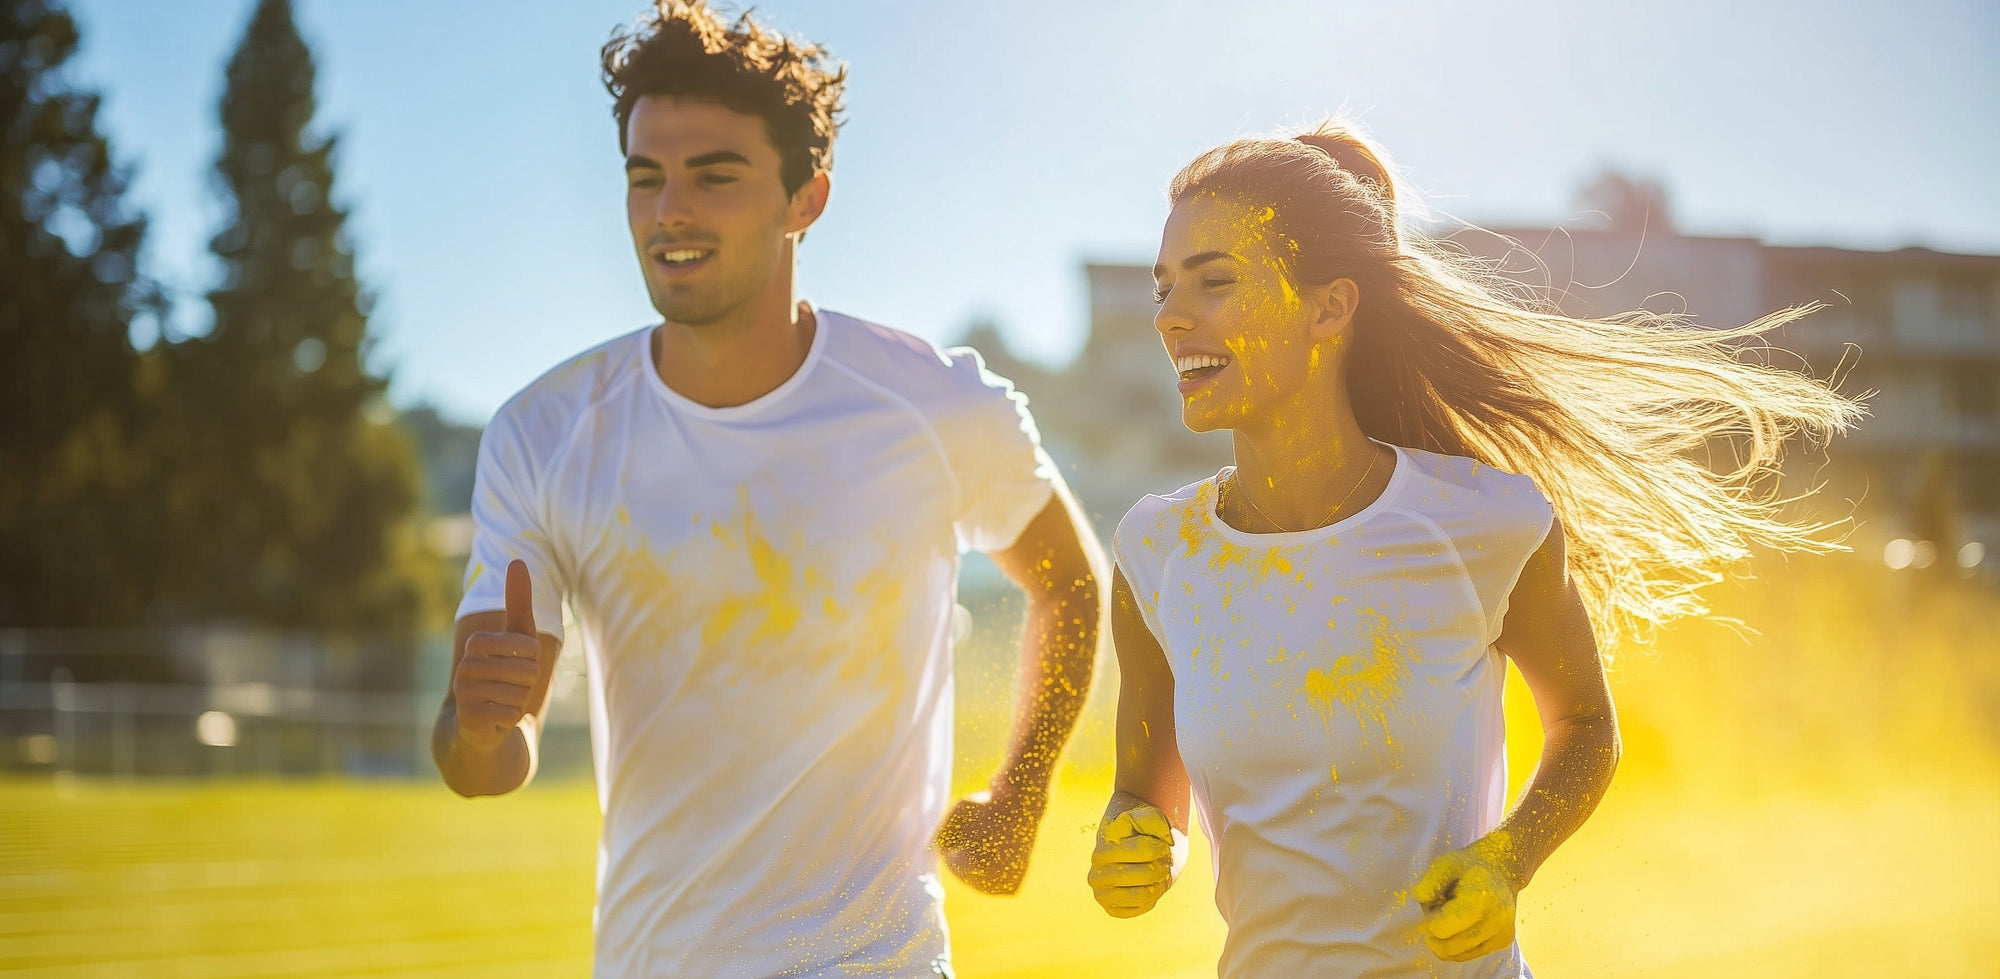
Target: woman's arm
(1142, 840)
(1469, 893)
(1547, 634)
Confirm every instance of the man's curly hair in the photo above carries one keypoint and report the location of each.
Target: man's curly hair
(682, 47)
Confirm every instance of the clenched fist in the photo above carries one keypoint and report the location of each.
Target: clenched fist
(1468, 901)
(1138, 853)
(987, 837)
(500, 672)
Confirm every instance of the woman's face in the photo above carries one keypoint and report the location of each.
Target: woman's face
(1245, 341)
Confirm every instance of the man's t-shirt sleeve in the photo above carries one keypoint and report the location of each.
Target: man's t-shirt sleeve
(509, 522)
(1004, 478)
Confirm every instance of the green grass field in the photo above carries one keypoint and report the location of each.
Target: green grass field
(1819, 802)
(360, 879)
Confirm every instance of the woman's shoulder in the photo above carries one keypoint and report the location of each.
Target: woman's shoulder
(1464, 485)
(1158, 518)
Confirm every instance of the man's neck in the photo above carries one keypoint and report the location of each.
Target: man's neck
(738, 359)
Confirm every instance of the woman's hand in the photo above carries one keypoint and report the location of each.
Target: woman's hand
(1137, 858)
(1468, 901)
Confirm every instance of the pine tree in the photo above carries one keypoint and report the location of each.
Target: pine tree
(299, 490)
(73, 531)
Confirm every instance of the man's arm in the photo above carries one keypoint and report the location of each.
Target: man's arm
(1058, 563)
(488, 732)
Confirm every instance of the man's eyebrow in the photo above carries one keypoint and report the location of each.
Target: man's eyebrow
(719, 156)
(1189, 263)
(636, 162)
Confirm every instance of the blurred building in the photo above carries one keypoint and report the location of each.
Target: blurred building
(1918, 328)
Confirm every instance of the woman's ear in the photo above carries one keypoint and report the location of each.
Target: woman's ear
(1336, 304)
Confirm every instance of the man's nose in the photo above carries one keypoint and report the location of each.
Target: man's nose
(673, 208)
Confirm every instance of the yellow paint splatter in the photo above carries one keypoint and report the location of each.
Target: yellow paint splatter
(1363, 685)
(1194, 519)
(1273, 562)
(778, 593)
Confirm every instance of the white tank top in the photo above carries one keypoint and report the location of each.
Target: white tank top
(1337, 702)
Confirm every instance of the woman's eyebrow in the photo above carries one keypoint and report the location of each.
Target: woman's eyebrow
(1189, 263)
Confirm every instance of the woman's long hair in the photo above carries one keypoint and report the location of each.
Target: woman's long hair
(1610, 417)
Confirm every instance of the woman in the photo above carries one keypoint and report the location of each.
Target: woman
(1432, 473)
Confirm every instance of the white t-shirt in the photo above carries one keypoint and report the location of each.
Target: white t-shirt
(764, 598)
(1337, 702)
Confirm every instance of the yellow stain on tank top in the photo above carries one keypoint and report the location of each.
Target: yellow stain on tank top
(1363, 685)
(1273, 562)
(1194, 519)
(1228, 554)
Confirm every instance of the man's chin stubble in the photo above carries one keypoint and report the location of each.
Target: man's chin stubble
(687, 313)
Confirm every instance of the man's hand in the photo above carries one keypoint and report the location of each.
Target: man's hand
(988, 836)
(1468, 901)
(497, 675)
(1136, 859)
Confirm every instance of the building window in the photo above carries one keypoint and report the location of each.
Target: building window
(1973, 394)
(1979, 482)
(1962, 301)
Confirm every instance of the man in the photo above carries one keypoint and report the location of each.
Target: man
(755, 511)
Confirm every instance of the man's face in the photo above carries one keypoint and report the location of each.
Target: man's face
(709, 214)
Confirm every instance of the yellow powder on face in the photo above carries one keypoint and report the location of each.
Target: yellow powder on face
(1289, 299)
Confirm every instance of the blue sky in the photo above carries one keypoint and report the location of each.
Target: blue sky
(991, 148)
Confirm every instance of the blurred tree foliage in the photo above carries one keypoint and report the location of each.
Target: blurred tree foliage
(254, 474)
(77, 543)
(294, 491)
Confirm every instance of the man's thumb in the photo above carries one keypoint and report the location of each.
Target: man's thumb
(520, 599)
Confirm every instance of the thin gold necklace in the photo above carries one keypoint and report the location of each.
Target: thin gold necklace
(1235, 475)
